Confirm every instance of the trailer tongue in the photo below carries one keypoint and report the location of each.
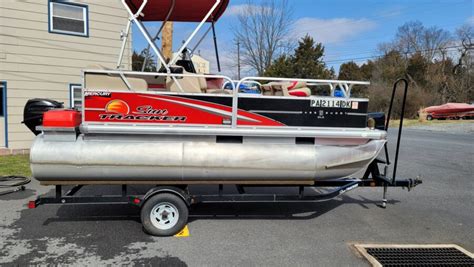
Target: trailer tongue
(174, 128)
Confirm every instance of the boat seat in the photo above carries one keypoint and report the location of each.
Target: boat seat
(296, 89)
(104, 81)
(193, 85)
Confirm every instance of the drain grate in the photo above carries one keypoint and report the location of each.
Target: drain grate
(416, 255)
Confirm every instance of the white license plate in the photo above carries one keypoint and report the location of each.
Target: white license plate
(333, 103)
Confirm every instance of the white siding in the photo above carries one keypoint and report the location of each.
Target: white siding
(36, 63)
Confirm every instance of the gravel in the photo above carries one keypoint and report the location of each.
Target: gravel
(448, 127)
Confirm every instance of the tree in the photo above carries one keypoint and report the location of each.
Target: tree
(463, 71)
(367, 70)
(389, 67)
(416, 69)
(262, 31)
(138, 59)
(385, 70)
(413, 37)
(350, 71)
(427, 58)
(281, 67)
(465, 34)
(306, 62)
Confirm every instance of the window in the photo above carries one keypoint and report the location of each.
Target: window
(68, 18)
(75, 99)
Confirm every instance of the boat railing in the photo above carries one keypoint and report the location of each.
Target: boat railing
(237, 81)
(346, 86)
(123, 74)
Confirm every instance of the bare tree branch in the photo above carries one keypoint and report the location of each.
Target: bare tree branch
(413, 37)
(262, 31)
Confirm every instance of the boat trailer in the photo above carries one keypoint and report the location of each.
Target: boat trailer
(340, 187)
(165, 208)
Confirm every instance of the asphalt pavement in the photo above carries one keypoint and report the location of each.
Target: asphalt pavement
(440, 210)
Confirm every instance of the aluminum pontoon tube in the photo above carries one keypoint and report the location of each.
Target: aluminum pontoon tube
(126, 158)
(321, 132)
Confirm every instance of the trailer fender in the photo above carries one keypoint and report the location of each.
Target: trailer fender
(167, 189)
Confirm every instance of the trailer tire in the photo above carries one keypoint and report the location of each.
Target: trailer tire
(164, 214)
(429, 117)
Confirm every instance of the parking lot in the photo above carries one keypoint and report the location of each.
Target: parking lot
(440, 210)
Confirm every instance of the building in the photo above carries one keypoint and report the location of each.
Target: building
(200, 64)
(44, 45)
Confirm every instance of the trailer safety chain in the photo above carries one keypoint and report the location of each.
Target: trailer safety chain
(13, 181)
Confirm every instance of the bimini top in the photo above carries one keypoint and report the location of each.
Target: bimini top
(183, 11)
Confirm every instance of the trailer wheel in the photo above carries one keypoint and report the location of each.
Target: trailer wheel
(164, 214)
(429, 117)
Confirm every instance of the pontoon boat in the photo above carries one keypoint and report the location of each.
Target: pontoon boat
(175, 127)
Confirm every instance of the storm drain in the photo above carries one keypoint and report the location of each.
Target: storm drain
(416, 255)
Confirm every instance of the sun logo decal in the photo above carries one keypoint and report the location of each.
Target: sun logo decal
(117, 106)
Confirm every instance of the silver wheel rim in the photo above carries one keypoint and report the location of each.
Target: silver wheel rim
(164, 216)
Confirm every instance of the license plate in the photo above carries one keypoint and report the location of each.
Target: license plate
(332, 103)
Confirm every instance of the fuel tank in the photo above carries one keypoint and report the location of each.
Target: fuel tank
(113, 159)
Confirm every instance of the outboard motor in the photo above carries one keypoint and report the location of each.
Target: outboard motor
(34, 110)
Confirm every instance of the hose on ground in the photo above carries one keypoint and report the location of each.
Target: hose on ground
(13, 181)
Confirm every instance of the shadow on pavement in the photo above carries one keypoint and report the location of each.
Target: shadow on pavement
(276, 211)
(131, 214)
(282, 211)
(64, 235)
(108, 231)
(6, 194)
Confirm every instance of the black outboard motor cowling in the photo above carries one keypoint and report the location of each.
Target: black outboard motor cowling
(34, 109)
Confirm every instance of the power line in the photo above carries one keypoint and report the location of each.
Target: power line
(381, 55)
(364, 58)
(365, 52)
(374, 38)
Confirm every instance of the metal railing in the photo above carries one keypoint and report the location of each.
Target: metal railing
(400, 127)
(346, 86)
(333, 84)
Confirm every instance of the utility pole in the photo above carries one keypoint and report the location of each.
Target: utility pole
(167, 41)
(238, 59)
(445, 79)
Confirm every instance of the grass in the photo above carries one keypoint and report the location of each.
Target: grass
(15, 165)
(416, 122)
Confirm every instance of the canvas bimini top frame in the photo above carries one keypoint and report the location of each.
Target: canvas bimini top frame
(138, 17)
(134, 18)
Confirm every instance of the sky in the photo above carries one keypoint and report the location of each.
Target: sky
(349, 29)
